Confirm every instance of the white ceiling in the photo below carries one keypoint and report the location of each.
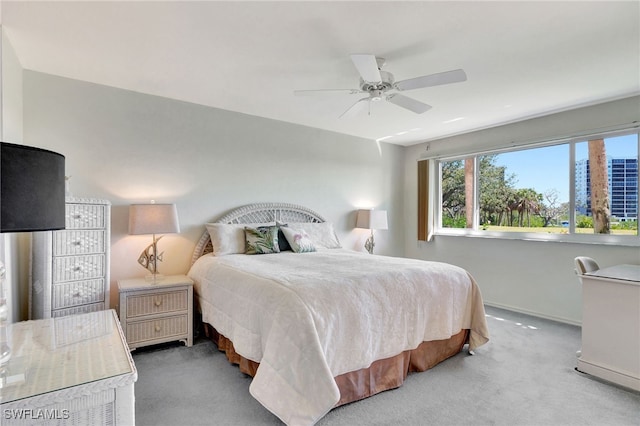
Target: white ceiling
(522, 59)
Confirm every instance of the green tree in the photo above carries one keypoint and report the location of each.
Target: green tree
(500, 202)
(495, 189)
(528, 202)
(453, 205)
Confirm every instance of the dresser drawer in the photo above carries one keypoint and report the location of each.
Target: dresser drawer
(77, 293)
(85, 216)
(75, 268)
(157, 303)
(160, 328)
(74, 242)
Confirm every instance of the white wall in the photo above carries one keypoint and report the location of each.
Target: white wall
(12, 120)
(527, 276)
(128, 147)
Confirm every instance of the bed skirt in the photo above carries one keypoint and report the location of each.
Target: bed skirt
(382, 375)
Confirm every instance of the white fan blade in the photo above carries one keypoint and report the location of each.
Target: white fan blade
(355, 108)
(327, 92)
(446, 77)
(367, 67)
(408, 103)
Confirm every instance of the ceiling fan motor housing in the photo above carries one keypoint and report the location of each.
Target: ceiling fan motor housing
(383, 86)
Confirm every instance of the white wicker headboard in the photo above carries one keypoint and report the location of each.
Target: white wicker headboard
(258, 213)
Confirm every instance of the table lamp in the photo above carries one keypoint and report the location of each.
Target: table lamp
(152, 219)
(32, 188)
(371, 219)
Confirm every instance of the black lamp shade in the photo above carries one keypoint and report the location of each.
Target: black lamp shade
(32, 189)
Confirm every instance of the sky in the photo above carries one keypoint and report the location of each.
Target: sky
(548, 167)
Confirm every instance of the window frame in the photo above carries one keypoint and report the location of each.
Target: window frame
(571, 237)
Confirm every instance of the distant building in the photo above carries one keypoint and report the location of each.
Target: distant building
(623, 188)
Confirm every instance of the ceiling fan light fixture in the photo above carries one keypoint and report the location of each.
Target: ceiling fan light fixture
(376, 95)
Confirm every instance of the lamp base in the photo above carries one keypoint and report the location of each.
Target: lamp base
(153, 278)
(369, 244)
(149, 259)
(5, 353)
(13, 373)
(5, 349)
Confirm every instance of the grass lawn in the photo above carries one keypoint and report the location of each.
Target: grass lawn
(557, 230)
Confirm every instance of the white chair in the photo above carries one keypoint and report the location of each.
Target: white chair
(585, 264)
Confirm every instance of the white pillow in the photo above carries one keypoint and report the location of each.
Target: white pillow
(298, 240)
(322, 234)
(229, 238)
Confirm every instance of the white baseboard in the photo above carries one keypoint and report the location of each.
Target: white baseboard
(608, 374)
(534, 313)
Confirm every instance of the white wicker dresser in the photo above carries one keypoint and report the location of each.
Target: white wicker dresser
(70, 268)
(72, 370)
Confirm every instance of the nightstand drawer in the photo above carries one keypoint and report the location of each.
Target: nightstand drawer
(154, 329)
(77, 293)
(157, 302)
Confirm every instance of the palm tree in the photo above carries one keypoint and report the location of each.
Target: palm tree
(528, 202)
(599, 187)
(469, 189)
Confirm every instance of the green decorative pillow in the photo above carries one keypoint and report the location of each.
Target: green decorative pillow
(261, 240)
(298, 240)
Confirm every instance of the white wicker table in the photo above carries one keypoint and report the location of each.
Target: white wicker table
(73, 370)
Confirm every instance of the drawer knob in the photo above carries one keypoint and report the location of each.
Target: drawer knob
(158, 302)
(157, 328)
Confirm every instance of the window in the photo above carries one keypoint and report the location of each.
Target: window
(585, 188)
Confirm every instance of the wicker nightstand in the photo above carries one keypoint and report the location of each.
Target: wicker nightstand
(156, 312)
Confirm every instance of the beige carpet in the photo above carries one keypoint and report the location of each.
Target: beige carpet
(523, 376)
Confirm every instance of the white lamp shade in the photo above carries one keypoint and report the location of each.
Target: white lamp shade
(153, 219)
(372, 219)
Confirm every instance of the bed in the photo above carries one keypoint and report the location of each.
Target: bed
(318, 326)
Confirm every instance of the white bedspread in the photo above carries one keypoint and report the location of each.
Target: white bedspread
(309, 317)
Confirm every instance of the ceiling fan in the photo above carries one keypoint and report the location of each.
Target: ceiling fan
(379, 85)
